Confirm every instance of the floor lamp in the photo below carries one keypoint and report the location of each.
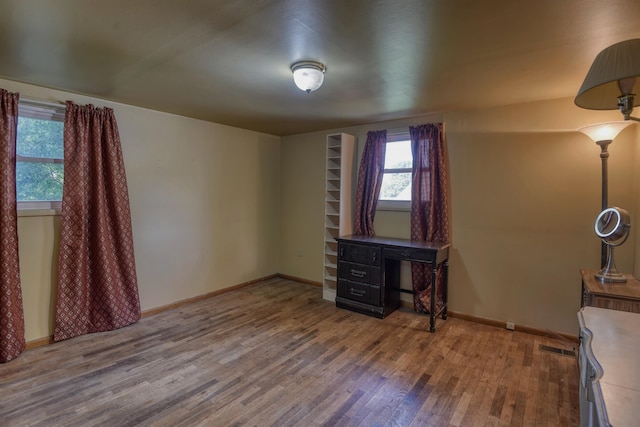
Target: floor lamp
(603, 134)
(610, 85)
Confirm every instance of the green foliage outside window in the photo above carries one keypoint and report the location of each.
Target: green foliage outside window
(40, 180)
(393, 184)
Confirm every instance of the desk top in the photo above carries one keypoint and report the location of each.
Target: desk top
(629, 290)
(400, 243)
(613, 341)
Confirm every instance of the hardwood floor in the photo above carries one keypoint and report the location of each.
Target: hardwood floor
(275, 353)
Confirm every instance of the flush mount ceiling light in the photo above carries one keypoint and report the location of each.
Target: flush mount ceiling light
(308, 75)
(611, 79)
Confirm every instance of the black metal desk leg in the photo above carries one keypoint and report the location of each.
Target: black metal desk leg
(445, 288)
(432, 307)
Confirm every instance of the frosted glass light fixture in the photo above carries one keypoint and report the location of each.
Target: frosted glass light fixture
(308, 75)
(606, 131)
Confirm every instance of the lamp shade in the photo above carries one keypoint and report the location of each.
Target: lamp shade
(612, 74)
(308, 75)
(606, 131)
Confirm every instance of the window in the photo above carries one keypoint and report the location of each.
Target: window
(39, 163)
(396, 182)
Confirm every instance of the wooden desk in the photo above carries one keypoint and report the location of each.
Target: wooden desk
(609, 367)
(614, 296)
(369, 273)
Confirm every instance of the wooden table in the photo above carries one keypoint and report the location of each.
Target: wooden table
(614, 296)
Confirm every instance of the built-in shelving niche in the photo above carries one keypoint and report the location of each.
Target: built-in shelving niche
(341, 152)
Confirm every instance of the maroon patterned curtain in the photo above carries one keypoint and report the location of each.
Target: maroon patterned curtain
(98, 287)
(12, 341)
(370, 176)
(429, 204)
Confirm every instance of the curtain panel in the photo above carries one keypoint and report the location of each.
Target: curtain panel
(98, 287)
(12, 341)
(370, 176)
(429, 204)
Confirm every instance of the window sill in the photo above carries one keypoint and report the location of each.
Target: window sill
(388, 205)
(38, 212)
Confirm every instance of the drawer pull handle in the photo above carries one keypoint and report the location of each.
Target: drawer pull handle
(358, 273)
(373, 257)
(405, 254)
(356, 292)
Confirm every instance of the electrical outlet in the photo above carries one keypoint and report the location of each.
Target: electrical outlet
(511, 326)
(300, 252)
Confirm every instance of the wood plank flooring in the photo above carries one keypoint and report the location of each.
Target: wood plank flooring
(275, 353)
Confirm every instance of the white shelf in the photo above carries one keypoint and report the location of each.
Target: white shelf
(333, 279)
(329, 252)
(341, 150)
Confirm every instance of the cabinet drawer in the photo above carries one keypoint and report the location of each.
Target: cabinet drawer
(360, 292)
(620, 304)
(359, 254)
(402, 253)
(359, 273)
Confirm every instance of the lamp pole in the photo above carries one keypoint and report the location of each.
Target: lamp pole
(604, 155)
(603, 134)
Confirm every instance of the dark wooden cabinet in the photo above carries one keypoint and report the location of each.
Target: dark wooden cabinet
(369, 273)
(360, 280)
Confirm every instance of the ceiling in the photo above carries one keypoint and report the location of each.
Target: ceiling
(229, 61)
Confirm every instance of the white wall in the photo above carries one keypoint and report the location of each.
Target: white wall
(214, 206)
(525, 191)
(205, 207)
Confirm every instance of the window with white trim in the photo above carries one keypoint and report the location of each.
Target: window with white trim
(40, 158)
(396, 182)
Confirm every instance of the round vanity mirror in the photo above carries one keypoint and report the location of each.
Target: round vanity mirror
(612, 226)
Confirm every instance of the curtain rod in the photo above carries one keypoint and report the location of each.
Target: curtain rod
(398, 130)
(42, 103)
(405, 129)
(58, 105)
